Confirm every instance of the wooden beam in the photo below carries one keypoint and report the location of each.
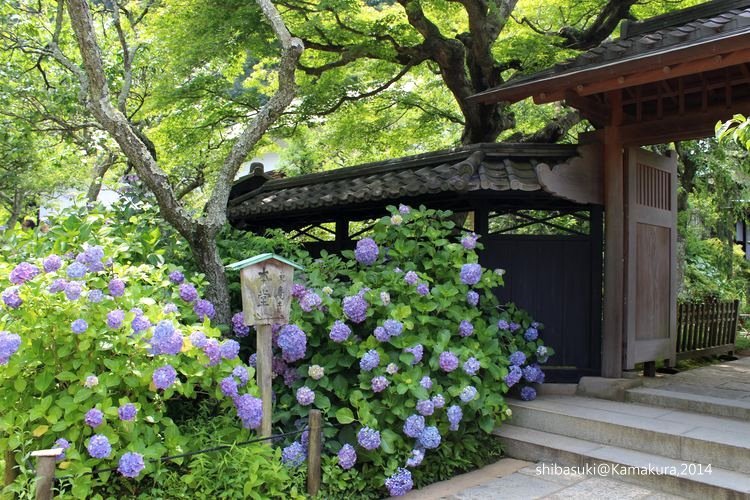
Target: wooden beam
(594, 111)
(579, 180)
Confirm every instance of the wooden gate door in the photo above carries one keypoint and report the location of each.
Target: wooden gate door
(650, 257)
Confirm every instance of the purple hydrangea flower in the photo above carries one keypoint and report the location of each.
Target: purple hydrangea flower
(355, 308)
(212, 349)
(127, 412)
(140, 323)
(425, 407)
(469, 241)
(347, 457)
(293, 343)
(472, 298)
(170, 308)
(94, 418)
(96, 296)
(471, 366)
(542, 354)
(514, 327)
(471, 274)
(438, 401)
(278, 366)
(528, 393)
(52, 263)
(468, 394)
(340, 332)
(176, 277)
(400, 483)
(238, 325)
(204, 309)
(391, 369)
(370, 360)
(116, 287)
(423, 289)
(411, 278)
(414, 425)
(454, 417)
(513, 376)
(164, 377)
(368, 438)
(404, 209)
(417, 455)
(426, 382)
(23, 272)
(166, 340)
(57, 286)
(381, 334)
(198, 339)
(11, 298)
(240, 373)
(115, 318)
(298, 290)
(92, 257)
(448, 361)
(429, 438)
(393, 327)
(417, 351)
(76, 271)
(250, 410)
(290, 376)
(73, 290)
(188, 293)
(229, 349)
(367, 251)
(533, 373)
(305, 396)
(131, 464)
(228, 387)
(293, 455)
(9, 344)
(531, 334)
(503, 325)
(309, 301)
(465, 328)
(517, 358)
(99, 446)
(379, 384)
(79, 326)
(64, 444)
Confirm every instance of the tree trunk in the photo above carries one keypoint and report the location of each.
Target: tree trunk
(100, 169)
(206, 255)
(15, 211)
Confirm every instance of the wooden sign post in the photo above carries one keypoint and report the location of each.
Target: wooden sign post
(266, 281)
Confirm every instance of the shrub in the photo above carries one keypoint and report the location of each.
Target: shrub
(406, 348)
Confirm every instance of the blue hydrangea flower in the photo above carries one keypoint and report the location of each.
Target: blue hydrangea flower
(116, 287)
(404, 209)
(423, 289)
(472, 298)
(166, 340)
(381, 334)
(204, 309)
(448, 361)
(305, 396)
(454, 417)
(176, 277)
(198, 339)
(164, 377)
(73, 290)
(229, 349)
(99, 446)
(212, 349)
(503, 325)
(52, 263)
(369, 361)
(57, 286)
(228, 387)
(379, 384)
(11, 298)
(309, 301)
(400, 483)
(513, 376)
(368, 438)
(514, 326)
(250, 410)
(528, 393)
(471, 366)
(465, 328)
(347, 457)
(417, 455)
(393, 327)
(531, 334)
(469, 241)
(533, 373)
(355, 308)
(96, 296)
(9, 344)
(240, 373)
(471, 274)
(366, 251)
(76, 271)
(131, 464)
(79, 326)
(426, 382)
(411, 278)
(518, 358)
(238, 325)
(92, 257)
(293, 455)
(468, 394)
(64, 444)
(293, 343)
(438, 401)
(414, 425)
(340, 332)
(188, 293)
(417, 351)
(429, 438)
(127, 412)
(115, 318)
(425, 407)
(140, 323)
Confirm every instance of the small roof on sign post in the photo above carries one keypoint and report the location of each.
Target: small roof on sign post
(260, 258)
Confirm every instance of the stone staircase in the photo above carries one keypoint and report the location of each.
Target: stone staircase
(676, 446)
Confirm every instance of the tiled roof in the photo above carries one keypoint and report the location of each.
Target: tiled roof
(699, 24)
(488, 168)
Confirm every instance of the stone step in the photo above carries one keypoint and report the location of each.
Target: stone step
(690, 437)
(668, 475)
(721, 407)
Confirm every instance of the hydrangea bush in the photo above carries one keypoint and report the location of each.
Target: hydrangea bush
(92, 352)
(405, 346)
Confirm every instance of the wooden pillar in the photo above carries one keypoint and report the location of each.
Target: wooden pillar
(264, 375)
(614, 244)
(314, 447)
(45, 472)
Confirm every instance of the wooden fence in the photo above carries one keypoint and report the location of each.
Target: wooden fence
(706, 328)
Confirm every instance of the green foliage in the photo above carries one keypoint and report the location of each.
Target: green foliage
(735, 130)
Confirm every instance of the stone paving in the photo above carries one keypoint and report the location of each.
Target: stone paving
(729, 380)
(515, 479)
